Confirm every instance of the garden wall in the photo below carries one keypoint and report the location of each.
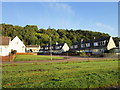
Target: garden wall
(9, 58)
(26, 54)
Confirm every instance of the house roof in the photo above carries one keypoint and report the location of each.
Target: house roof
(35, 46)
(96, 40)
(4, 40)
(54, 46)
(92, 43)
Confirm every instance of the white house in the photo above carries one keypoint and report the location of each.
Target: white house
(55, 48)
(18, 45)
(32, 48)
(94, 45)
(4, 45)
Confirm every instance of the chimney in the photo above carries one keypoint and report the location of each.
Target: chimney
(82, 40)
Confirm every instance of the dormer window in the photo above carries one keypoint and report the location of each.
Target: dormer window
(82, 45)
(87, 44)
(95, 43)
(76, 46)
(71, 47)
(102, 43)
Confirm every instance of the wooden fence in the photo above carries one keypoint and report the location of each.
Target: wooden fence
(25, 53)
(9, 58)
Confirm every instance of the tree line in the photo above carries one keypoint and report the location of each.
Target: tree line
(31, 35)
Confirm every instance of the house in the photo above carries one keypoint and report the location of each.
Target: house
(18, 45)
(94, 45)
(116, 49)
(4, 45)
(32, 48)
(55, 48)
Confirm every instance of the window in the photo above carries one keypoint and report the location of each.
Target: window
(95, 43)
(71, 47)
(82, 45)
(52, 47)
(102, 42)
(87, 44)
(57, 47)
(102, 50)
(46, 48)
(17, 43)
(76, 46)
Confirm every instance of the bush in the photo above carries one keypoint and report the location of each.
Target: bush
(83, 54)
(109, 51)
(13, 51)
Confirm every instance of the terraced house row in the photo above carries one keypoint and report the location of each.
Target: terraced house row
(95, 46)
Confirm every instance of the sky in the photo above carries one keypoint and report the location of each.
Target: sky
(93, 16)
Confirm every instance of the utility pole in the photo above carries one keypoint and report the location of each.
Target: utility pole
(50, 49)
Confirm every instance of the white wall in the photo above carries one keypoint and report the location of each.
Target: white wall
(65, 47)
(111, 44)
(17, 44)
(4, 50)
(33, 48)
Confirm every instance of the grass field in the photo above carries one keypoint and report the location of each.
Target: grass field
(34, 57)
(60, 75)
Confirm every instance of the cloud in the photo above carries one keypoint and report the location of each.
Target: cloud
(61, 7)
(104, 26)
(106, 29)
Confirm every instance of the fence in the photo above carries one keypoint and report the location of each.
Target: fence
(25, 53)
(9, 58)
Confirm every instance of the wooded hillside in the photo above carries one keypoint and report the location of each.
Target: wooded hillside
(31, 35)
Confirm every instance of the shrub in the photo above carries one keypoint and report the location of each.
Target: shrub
(83, 54)
(109, 51)
(13, 51)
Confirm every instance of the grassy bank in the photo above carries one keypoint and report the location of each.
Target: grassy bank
(34, 57)
(61, 75)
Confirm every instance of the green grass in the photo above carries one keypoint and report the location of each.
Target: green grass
(60, 74)
(34, 57)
